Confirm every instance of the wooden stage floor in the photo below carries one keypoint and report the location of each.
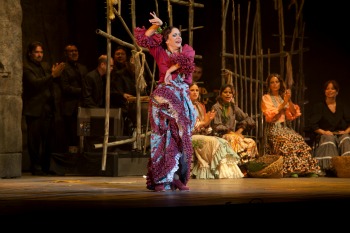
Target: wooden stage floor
(41, 197)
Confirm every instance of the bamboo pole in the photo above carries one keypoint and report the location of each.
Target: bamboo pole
(281, 35)
(245, 106)
(224, 8)
(260, 72)
(302, 80)
(272, 55)
(253, 108)
(170, 14)
(190, 22)
(234, 43)
(240, 73)
(121, 142)
(108, 77)
(184, 3)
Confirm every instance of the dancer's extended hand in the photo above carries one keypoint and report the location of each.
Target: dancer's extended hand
(155, 20)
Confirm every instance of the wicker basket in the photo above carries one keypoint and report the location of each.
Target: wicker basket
(273, 166)
(341, 165)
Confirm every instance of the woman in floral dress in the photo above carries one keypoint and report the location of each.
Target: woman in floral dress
(280, 138)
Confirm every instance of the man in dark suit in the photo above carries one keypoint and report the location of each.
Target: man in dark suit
(39, 107)
(94, 84)
(94, 94)
(71, 86)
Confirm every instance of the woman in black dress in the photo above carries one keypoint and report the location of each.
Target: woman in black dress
(330, 120)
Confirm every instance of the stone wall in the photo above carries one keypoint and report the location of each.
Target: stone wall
(10, 88)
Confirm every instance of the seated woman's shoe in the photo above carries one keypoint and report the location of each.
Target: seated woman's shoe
(159, 188)
(312, 175)
(178, 184)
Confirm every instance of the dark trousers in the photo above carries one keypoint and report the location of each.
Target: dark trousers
(40, 131)
(71, 130)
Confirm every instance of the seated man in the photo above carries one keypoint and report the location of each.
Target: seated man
(123, 84)
(94, 96)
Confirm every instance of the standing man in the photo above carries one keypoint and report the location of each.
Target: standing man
(71, 86)
(39, 107)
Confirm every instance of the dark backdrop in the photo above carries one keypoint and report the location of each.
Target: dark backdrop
(58, 22)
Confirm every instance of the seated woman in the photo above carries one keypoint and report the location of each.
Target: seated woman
(214, 157)
(230, 122)
(280, 138)
(330, 119)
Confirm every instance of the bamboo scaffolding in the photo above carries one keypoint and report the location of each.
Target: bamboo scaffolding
(249, 66)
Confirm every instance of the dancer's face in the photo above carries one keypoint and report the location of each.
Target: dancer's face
(174, 40)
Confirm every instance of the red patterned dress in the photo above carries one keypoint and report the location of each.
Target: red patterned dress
(171, 113)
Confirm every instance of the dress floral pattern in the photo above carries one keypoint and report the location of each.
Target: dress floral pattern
(281, 139)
